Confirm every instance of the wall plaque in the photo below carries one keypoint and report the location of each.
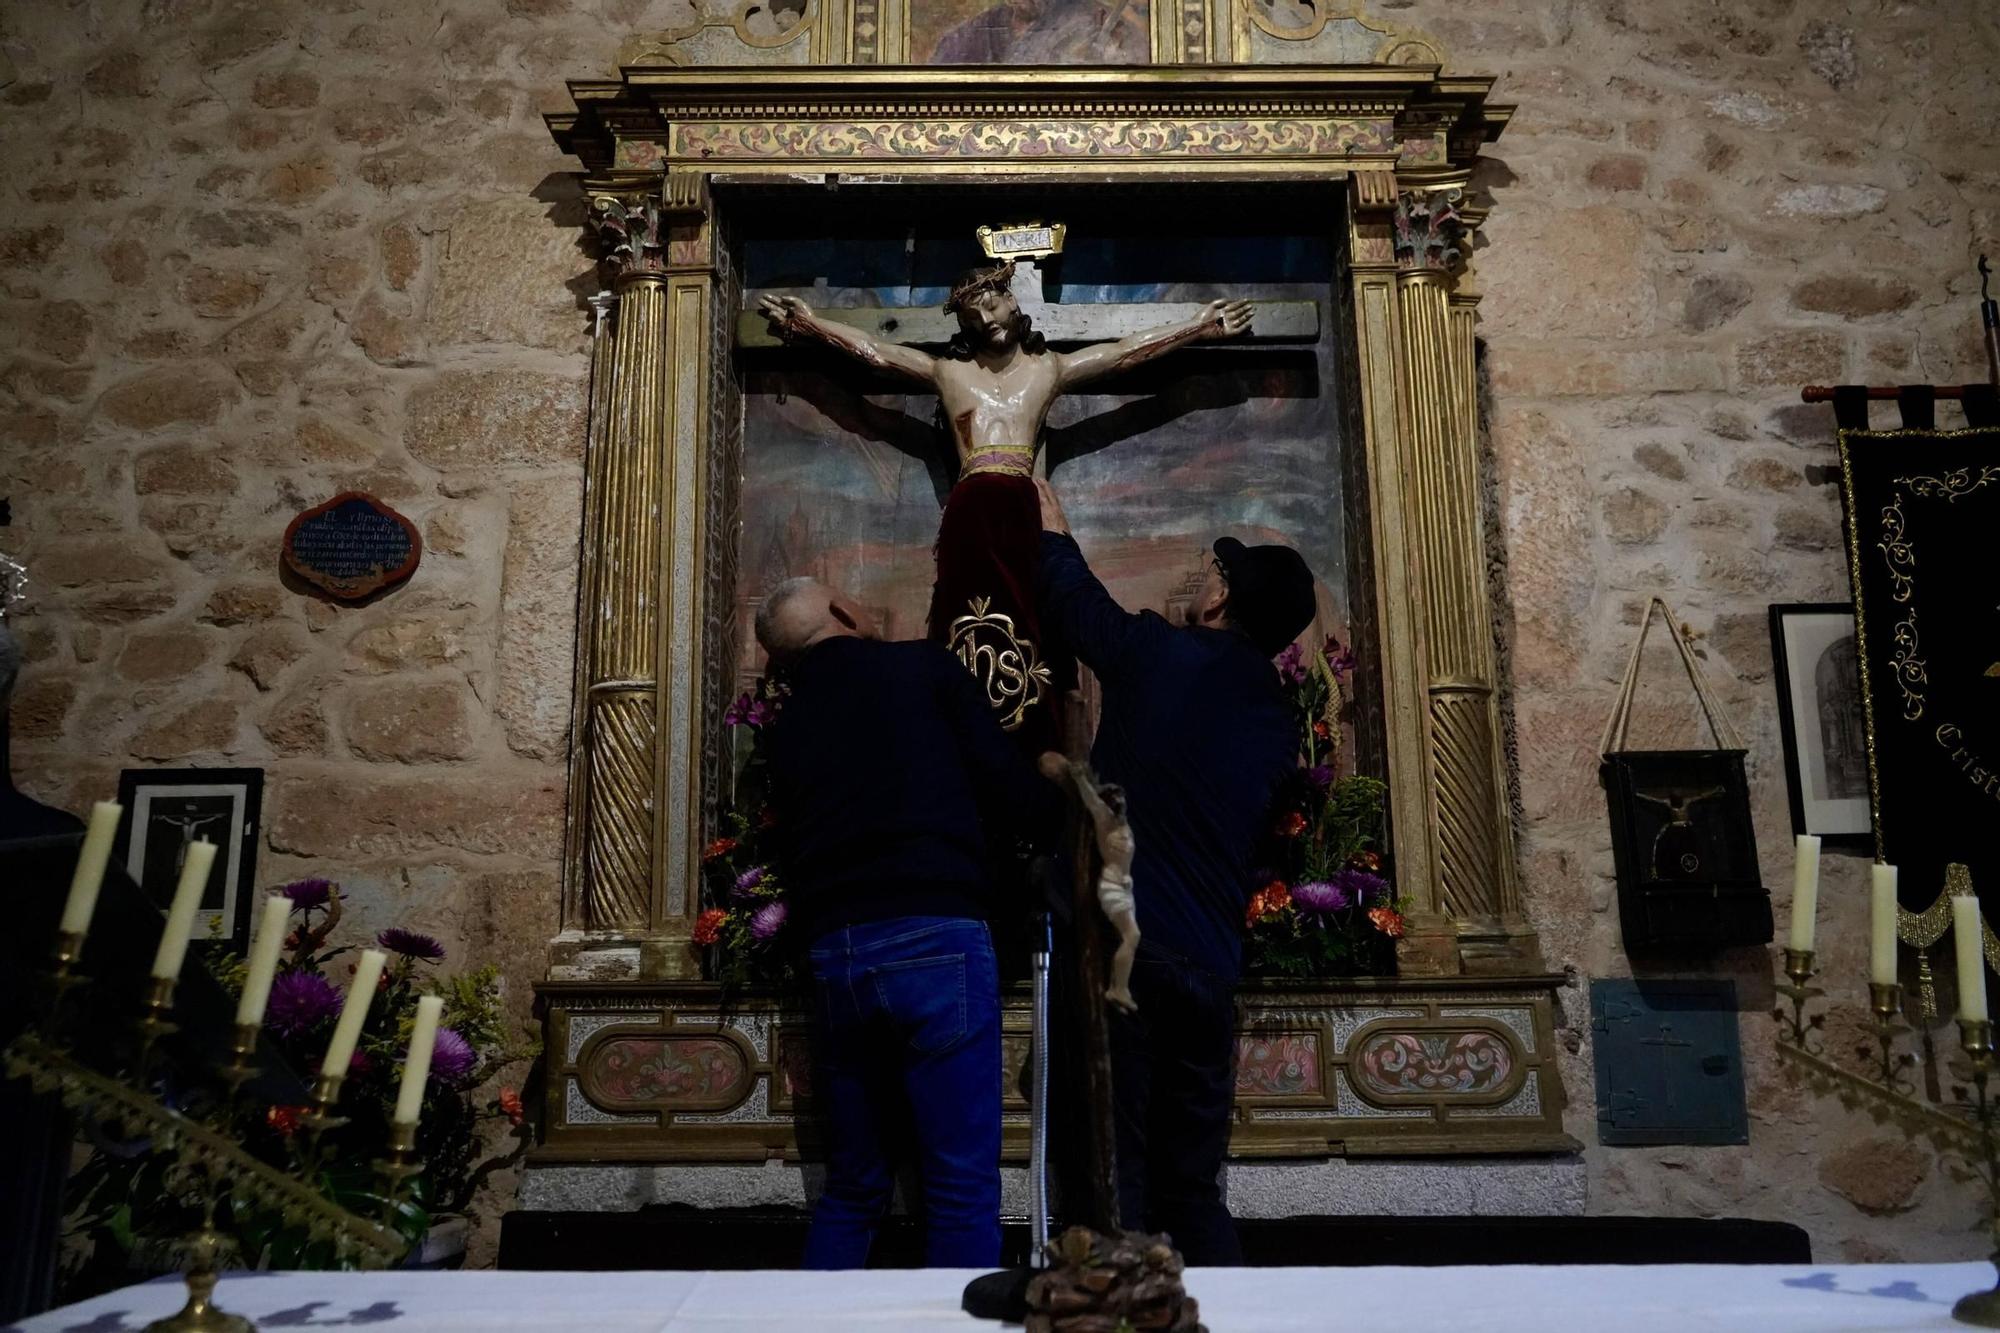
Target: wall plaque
(352, 546)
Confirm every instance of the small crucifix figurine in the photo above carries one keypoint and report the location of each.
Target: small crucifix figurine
(996, 381)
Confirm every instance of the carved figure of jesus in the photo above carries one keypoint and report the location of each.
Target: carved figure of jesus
(996, 382)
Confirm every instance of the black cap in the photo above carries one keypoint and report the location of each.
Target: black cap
(1270, 592)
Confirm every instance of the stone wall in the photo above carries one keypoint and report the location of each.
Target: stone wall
(257, 251)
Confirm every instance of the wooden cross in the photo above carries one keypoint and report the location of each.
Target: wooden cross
(1058, 322)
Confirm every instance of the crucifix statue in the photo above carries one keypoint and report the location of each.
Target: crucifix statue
(996, 381)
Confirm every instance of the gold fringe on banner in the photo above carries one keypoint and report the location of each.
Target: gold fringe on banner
(1920, 930)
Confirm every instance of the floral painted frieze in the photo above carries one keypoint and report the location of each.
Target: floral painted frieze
(1139, 138)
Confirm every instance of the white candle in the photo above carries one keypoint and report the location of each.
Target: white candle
(340, 1052)
(1882, 925)
(180, 916)
(271, 932)
(417, 1063)
(90, 863)
(1968, 937)
(1805, 892)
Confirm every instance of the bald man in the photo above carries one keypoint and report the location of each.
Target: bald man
(893, 788)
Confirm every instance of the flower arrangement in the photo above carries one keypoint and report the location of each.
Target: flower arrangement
(740, 934)
(1325, 908)
(123, 1199)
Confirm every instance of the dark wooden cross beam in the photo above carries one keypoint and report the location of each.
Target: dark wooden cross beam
(1059, 322)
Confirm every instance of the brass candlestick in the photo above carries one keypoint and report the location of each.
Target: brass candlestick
(61, 979)
(319, 1117)
(199, 1315)
(1976, 1037)
(398, 1168)
(1799, 968)
(1886, 999)
(154, 1022)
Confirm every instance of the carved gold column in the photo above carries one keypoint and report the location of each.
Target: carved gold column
(1429, 946)
(621, 616)
(1474, 849)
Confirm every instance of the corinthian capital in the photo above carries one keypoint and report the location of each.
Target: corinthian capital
(632, 228)
(1428, 230)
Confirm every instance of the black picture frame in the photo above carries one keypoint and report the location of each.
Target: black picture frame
(167, 807)
(1821, 721)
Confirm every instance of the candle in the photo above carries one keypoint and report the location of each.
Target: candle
(1805, 892)
(180, 916)
(1968, 937)
(340, 1052)
(1882, 925)
(271, 932)
(90, 863)
(417, 1063)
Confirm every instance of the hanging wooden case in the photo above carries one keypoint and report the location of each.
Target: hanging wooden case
(1683, 847)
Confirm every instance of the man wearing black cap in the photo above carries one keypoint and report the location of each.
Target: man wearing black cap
(1195, 729)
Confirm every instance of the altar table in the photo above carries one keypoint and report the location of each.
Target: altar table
(1775, 1299)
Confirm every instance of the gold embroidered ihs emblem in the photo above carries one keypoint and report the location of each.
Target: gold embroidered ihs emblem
(1005, 664)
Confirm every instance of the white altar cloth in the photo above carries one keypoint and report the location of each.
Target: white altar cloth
(1763, 1299)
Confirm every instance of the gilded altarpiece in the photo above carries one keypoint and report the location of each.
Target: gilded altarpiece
(682, 159)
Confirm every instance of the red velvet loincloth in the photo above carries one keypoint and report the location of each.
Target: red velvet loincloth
(989, 549)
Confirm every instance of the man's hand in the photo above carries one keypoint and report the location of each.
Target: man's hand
(1053, 519)
(1054, 767)
(786, 312)
(1225, 319)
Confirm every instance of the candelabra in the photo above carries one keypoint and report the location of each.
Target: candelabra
(1971, 1130)
(208, 1153)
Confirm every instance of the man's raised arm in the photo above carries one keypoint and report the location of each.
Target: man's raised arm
(1218, 319)
(1103, 634)
(793, 318)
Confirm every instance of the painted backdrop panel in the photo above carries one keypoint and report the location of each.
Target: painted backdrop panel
(1031, 32)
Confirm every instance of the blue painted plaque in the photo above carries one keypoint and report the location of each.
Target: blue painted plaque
(1669, 1062)
(352, 546)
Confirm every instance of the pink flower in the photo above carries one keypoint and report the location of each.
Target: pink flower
(1320, 898)
(748, 882)
(1362, 887)
(1292, 664)
(1338, 659)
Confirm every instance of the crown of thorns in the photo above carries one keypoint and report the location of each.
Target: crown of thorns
(999, 278)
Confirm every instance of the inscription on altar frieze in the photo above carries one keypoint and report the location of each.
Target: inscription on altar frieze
(352, 546)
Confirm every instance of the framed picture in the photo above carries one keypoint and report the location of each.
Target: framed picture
(1818, 669)
(168, 808)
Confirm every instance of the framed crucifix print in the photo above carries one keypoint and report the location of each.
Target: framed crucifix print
(1817, 669)
(166, 810)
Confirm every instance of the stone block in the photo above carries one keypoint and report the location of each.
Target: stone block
(296, 724)
(478, 419)
(243, 603)
(184, 469)
(537, 620)
(1830, 201)
(410, 722)
(1803, 528)
(42, 703)
(430, 640)
(1854, 296)
(1616, 173)
(402, 255)
(1569, 270)
(93, 562)
(1765, 474)
(1633, 518)
(163, 655)
(121, 74)
(502, 277)
(1714, 300)
(168, 397)
(299, 180)
(268, 652)
(1791, 358)
(207, 726)
(387, 338)
(341, 813)
(1660, 461)
(1878, 1175)
(220, 294)
(287, 90)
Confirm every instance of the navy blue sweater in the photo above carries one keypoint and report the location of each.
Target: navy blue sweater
(888, 774)
(1195, 729)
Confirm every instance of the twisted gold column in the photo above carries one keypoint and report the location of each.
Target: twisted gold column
(1474, 848)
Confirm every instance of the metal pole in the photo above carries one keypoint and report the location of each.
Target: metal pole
(1038, 1096)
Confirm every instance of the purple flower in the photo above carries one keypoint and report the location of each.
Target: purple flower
(1292, 664)
(1320, 897)
(1364, 888)
(308, 893)
(770, 919)
(749, 880)
(1320, 775)
(452, 1058)
(1338, 659)
(300, 1001)
(747, 711)
(410, 944)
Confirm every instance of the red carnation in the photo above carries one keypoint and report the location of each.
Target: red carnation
(510, 1106)
(720, 847)
(708, 926)
(1292, 825)
(1387, 920)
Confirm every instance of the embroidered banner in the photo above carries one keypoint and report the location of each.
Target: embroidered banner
(1923, 521)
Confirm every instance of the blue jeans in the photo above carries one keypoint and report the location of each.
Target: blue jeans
(909, 1032)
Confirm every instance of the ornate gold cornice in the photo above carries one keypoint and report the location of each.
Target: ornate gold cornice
(1442, 120)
